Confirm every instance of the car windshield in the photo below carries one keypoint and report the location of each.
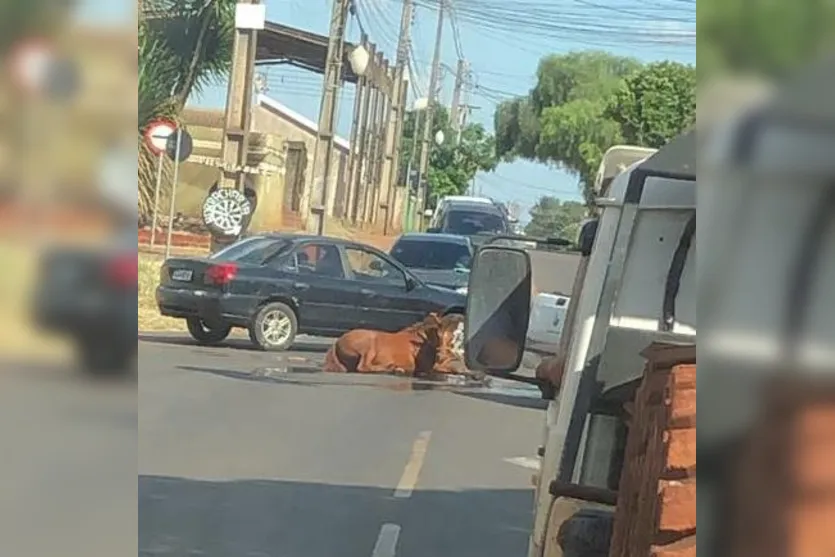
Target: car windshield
(421, 254)
(474, 222)
(254, 250)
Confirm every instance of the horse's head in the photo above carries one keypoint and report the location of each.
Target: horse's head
(426, 330)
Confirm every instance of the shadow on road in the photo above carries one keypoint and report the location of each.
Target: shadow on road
(519, 401)
(236, 343)
(179, 516)
(312, 376)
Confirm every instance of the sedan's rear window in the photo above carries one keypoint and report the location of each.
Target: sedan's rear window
(417, 254)
(469, 223)
(254, 250)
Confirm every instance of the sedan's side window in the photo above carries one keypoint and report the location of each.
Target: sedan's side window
(315, 259)
(370, 267)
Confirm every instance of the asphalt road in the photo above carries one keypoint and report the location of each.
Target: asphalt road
(245, 454)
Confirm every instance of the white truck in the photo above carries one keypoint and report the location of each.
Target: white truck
(634, 286)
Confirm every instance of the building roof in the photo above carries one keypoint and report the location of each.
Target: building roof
(298, 119)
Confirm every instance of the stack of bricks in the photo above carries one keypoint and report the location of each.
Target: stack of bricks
(783, 495)
(656, 508)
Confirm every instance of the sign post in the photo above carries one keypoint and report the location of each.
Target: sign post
(156, 200)
(156, 137)
(178, 143)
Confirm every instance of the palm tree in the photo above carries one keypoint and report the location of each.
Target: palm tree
(184, 45)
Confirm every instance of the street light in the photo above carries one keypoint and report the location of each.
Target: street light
(359, 59)
(439, 137)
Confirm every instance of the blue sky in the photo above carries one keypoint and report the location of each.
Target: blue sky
(503, 55)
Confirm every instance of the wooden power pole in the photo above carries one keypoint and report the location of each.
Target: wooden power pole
(356, 179)
(357, 130)
(315, 201)
(239, 105)
(428, 120)
(455, 110)
(398, 113)
(237, 120)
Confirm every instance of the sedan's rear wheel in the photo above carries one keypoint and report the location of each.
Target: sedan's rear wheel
(204, 334)
(274, 327)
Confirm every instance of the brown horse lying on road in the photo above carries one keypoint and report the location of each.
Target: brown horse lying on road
(411, 351)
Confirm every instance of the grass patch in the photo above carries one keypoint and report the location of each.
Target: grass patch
(149, 319)
(20, 339)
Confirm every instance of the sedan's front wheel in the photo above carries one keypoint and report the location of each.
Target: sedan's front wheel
(274, 327)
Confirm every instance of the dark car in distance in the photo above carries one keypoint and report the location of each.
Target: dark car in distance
(477, 221)
(279, 285)
(440, 259)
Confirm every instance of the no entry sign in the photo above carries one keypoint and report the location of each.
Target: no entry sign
(157, 134)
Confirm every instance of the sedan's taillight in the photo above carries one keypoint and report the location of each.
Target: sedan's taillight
(221, 274)
(123, 271)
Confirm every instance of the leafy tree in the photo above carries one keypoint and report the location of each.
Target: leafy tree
(452, 165)
(552, 218)
(653, 105)
(574, 113)
(33, 18)
(183, 46)
(561, 122)
(761, 36)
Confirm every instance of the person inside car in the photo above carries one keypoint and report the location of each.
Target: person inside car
(329, 263)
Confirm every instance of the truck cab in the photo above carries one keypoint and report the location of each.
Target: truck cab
(636, 286)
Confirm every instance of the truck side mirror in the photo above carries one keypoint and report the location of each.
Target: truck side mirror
(585, 241)
(498, 309)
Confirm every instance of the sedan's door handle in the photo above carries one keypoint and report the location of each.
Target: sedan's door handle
(300, 286)
(367, 292)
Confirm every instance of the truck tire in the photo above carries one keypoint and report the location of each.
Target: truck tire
(588, 533)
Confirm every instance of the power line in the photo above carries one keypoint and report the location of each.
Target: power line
(377, 20)
(488, 179)
(456, 35)
(548, 21)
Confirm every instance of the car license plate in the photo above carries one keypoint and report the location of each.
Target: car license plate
(182, 275)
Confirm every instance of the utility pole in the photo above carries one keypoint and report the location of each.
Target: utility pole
(382, 149)
(237, 118)
(428, 119)
(356, 131)
(373, 152)
(398, 109)
(454, 112)
(315, 202)
(361, 163)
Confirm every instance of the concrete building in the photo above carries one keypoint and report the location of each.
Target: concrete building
(271, 117)
(281, 157)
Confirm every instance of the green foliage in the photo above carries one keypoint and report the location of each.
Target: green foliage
(32, 18)
(552, 218)
(574, 113)
(184, 45)
(654, 104)
(762, 35)
(452, 165)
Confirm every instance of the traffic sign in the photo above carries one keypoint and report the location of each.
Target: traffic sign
(30, 64)
(186, 146)
(157, 134)
(63, 79)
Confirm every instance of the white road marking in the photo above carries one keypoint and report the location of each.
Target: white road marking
(411, 473)
(386, 541)
(531, 463)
